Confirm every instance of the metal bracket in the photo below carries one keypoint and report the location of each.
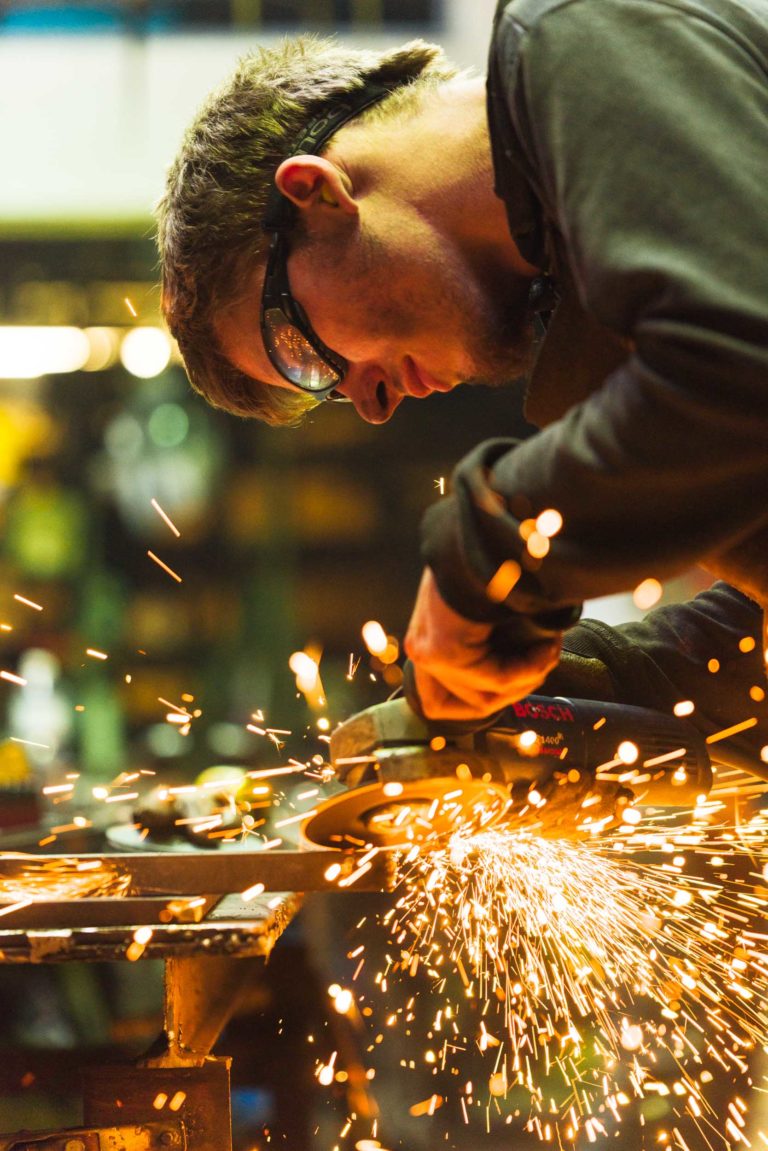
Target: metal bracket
(168, 1136)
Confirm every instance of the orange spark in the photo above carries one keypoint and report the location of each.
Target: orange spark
(164, 566)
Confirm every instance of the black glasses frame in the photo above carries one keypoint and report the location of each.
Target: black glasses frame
(276, 296)
(279, 219)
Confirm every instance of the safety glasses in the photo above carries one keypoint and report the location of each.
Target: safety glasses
(293, 346)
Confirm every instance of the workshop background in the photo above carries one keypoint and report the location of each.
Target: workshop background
(289, 539)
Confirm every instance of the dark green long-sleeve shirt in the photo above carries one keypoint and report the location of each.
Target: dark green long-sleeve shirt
(631, 149)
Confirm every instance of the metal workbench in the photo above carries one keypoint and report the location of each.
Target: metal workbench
(188, 910)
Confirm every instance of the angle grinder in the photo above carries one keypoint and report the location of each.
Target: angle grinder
(561, 767)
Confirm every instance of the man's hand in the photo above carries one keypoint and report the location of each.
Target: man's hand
(457, 674)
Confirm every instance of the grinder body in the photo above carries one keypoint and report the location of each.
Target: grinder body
(561, 767)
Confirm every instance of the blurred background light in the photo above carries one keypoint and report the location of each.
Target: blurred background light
(145, 352)
(168, 425)
(104, 346)
(165, 741)
(28, 352)
(124, 437)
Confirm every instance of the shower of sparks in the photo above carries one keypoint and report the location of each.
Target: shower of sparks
(591, 975)
(41, 879)
(130, 306)
(603, 971)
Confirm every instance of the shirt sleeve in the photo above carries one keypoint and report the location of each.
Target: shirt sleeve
(706, 652)
(646, 123)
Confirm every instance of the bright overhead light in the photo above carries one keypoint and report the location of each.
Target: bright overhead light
(28, 352)
(145, 352)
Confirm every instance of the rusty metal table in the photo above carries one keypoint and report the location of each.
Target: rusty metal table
(190, 911)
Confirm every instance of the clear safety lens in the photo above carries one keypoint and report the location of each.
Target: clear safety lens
(294, 356)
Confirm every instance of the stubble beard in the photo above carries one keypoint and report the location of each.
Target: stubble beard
(501, 346)
(498, 333)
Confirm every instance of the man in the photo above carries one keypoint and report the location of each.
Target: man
(345, 224)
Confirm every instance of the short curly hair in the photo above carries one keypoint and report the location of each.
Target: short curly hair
(209, 218)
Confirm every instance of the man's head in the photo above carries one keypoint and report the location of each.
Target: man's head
(210, 218)
(389, 268)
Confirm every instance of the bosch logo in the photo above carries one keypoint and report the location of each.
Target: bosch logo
(558, 712)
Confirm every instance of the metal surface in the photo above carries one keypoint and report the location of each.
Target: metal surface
(168, 1136)
(202, 907)
(132, 906)
(105, 912)
(202, 993)
(219, 934)
(192, 873)
(196, 1096)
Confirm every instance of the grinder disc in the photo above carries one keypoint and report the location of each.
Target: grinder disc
(402, 814)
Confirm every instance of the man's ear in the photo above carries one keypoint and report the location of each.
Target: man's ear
(311, 181)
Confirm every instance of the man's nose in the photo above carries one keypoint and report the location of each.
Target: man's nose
(374, 397)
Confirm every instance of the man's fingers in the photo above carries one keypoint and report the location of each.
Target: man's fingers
(438, 702)
(491, 673)
(450, 692)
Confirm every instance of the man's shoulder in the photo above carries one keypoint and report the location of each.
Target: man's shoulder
(518, 23)
(527, 13)
(521, 16)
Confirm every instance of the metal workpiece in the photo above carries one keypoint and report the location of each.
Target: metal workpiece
(103, 912)
(150, 873)
(207, 901)
(255, 935)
